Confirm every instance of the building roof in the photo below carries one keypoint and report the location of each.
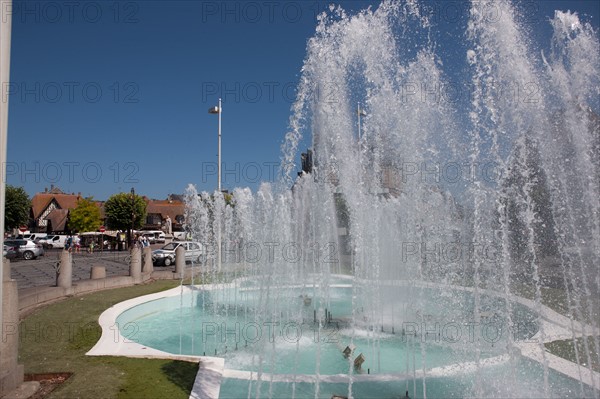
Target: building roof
(40, 202)
(58, 219)
(166, 208)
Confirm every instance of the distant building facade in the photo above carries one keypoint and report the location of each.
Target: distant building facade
(157, 212)
(50, 211)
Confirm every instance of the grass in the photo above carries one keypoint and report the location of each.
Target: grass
(566, 350)
(556, 299)
(55, 339)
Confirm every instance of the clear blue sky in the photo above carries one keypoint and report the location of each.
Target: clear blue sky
(109, 95)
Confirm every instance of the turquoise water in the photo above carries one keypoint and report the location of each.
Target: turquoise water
(286, 340)
(492, 381)
(225, 324)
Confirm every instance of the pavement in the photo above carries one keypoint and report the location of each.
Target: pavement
(41, 272)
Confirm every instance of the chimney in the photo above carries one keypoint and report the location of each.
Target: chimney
(45, 189)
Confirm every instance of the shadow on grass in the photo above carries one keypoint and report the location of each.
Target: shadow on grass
(182, 374)
(566, 349)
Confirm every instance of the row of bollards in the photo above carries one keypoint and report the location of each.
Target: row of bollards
(64, 268)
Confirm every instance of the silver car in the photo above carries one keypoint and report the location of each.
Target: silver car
(9, 252)
(25, 249)
(166, 255)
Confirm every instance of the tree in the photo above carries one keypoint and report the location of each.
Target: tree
(86, 216)
(17, 207)
(120, 208)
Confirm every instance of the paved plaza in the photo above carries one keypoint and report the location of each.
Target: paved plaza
(41, 272)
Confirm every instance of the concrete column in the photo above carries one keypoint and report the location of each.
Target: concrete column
(11, 373)
(148, 267)
(179, 260)
(64, 274)
(5, 270)
(97, 272)
(135, 264)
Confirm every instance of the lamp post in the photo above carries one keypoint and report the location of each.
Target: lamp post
(360, 112)
(132, 218)
(218, 110)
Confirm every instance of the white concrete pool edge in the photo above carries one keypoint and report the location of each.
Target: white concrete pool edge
(112, 343)
(207, 384)
(211, 370)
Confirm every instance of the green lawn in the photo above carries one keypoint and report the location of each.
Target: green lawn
(55, 339)
(566, 350)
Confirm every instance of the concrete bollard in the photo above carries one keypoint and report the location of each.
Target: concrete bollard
(64, 273)
(148, 267)
(135, 264)
(97, 272)
(11, 375)
(179, 260)
(6, 269)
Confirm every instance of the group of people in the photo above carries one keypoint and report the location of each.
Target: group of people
(142, 241)
(73, 242)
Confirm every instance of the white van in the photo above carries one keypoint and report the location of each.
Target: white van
(32, 236)
(54, 241)
(154, 236)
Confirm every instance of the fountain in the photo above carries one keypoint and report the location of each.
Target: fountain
(433, 252)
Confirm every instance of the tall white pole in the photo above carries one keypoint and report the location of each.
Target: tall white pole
(5, 28)
(358, 113)
(218, 110)
(220, 193)
(219, 155)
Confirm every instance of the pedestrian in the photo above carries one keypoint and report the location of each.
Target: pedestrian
(77, 243)
(69, 243)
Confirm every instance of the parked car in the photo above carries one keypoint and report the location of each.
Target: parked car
(9, 252)
(26, 249)
(166, 255)
(53, 241)
(179, 235)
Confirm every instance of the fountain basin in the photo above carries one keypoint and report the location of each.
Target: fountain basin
(293, 355)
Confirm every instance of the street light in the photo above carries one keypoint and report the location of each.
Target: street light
(360, 112)
(218, 110)
(132, 217)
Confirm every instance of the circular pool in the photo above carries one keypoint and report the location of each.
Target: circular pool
(430, 341)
